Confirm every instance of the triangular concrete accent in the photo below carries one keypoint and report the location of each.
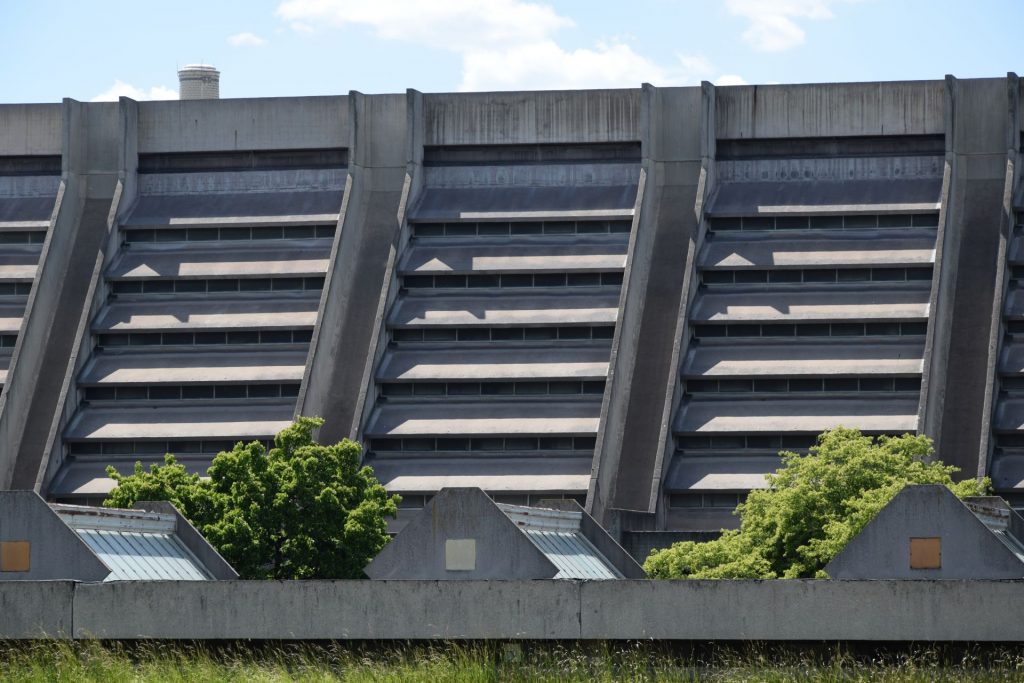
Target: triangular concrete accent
(502, 550)
(882, 549)
(56, 550)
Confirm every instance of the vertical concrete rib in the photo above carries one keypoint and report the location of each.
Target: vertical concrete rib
(958, 359)
(999, 456)
(626, 460)
(387, 285)
(367, 232)
(93, 156)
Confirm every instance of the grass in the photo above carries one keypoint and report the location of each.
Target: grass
(52, 661)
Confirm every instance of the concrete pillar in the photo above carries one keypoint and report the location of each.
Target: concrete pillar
(975, 214)
(96, 143)
(1013, 161)
(636, 417)
(363, 256)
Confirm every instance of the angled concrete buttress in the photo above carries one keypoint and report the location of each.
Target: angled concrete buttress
(1001, 455)
(92, 184)
(976, 213)
(381, 171)
(628, 457)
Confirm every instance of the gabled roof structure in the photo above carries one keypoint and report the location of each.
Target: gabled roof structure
(40, 541)
(463, 534)
(926, 532)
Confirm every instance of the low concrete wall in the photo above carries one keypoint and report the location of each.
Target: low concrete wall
(36, 609)
(802, 610)
(528, 610)
(328, 609)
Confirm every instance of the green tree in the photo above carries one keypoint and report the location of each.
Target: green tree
(813, 506)
(300, 511)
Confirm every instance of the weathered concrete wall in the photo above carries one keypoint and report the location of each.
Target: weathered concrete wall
(369, 227)
(957, 357)
(36, 609)
(626, 465)
(329, 609)
(498, 118)
(830, 109)
(30, 129)
(385, 610)
(243, 124)
(802, 610)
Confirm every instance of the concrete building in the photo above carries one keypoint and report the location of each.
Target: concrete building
(926, 532)
(47, 542)
(462, 534)
(628, 298)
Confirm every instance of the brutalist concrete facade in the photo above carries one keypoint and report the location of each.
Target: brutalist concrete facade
(633, 298)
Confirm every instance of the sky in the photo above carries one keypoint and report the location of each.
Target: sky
(101, 49)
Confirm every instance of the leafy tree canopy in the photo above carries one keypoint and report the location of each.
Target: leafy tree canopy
(813, 506)
(300, 511)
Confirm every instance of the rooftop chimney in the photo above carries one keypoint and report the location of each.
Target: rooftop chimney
(198, 82)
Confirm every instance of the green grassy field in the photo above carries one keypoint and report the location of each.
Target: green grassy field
(154, 661)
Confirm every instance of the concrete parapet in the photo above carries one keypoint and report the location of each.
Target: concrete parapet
(830, 109)
(243, 124)
(499, 118)
(30, 129)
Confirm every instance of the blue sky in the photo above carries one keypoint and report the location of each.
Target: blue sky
(99, 49)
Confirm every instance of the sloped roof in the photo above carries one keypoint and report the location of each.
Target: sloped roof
(558, 540)
(557, 534)
(135, 545)
(979, 539)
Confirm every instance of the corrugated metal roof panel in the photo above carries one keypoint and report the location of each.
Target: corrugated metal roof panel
(134, 544)
(136, 556)
(556, 533)
(573, 555)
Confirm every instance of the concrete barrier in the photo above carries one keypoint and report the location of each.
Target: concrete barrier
(35, 609)
(328, 610)
(796, 610)
(802, 610)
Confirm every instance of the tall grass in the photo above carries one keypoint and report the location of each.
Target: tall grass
(412, 663)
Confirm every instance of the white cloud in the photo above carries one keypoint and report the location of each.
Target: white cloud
(697, 66)
(773, 26)
(122, 89)
(730, 79)
(504, 44)
(546, 65)
(246, 39)
(457, 25)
